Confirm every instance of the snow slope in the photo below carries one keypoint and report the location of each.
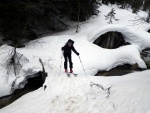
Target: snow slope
(128, 94)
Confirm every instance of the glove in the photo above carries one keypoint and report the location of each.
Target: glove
(78, 54)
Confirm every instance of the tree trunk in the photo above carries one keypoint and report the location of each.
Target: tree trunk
(14, 61)
(77, 28)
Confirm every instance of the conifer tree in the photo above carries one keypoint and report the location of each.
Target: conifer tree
(148, 17)
(87, 8)
(24, 20)
(110, 16)
(21, 21)
(136, 5)
(146, 5)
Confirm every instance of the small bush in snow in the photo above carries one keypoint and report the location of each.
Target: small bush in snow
(14, 62)
(139, 20)
(110, 16)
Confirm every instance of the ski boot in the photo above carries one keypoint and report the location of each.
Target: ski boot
(71, 71)
(66, 71)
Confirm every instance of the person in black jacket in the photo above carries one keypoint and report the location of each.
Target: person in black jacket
(67, 54)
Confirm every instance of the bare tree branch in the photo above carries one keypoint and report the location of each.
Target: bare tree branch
(138, 20)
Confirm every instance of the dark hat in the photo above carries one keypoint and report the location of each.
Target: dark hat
(70, 41)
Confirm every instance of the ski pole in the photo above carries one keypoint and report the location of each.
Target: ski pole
(83, 66)
(60, 63)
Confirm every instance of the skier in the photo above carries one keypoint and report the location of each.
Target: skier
(67, 54)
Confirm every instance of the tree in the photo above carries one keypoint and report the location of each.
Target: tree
(77, 28)
(110, 16)
(136, 5)
(105, 2)
(87, 8)
(22, 21)
(148, 17)
(146, 5)
(125, 4)
(139, 21)
(80, 10)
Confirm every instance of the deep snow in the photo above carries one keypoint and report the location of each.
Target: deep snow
(128, 94)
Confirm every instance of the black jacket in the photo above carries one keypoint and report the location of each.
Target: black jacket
(67, 49)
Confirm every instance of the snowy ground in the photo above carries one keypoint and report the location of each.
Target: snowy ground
(128, 94)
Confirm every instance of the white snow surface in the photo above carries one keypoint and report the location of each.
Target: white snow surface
(128, 94)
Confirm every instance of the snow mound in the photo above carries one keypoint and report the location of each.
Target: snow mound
(132, 35)
(125, 94)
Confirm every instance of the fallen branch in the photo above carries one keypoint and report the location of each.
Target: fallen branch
(44, 74)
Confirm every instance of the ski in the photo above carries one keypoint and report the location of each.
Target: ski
(68, 74)
(74, 74)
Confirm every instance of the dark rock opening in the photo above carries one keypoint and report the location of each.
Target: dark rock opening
(35, 82)
(110, 40)
(145, 55)
(148, 31)
(120, 70)
(32, 84)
